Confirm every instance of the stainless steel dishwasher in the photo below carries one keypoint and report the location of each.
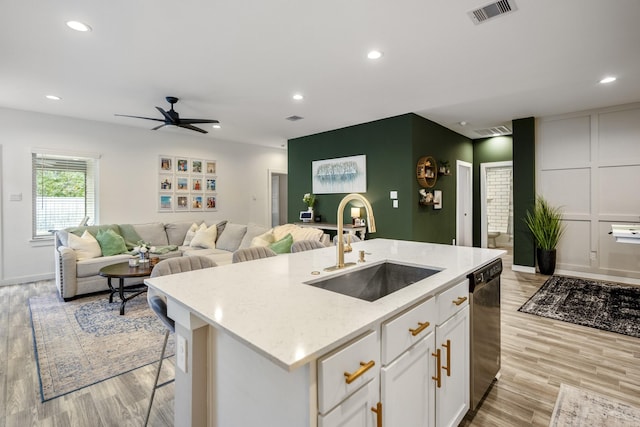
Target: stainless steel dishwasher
(484, 305)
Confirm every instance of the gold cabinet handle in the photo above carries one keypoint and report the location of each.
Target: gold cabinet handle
(448, 367)
(437, 378)
(378, 411)
(364, 367)
(460, 300)
(421, 327)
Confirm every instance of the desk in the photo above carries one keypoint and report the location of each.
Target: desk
(347, 228)
(122, 271)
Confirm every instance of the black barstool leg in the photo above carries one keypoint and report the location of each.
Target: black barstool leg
(155, 384)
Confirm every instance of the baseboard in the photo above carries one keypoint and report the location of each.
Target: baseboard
(26, 279)
(602, 277)
(523, 269)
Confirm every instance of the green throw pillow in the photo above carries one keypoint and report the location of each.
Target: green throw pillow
(283, 246)
(111, 243)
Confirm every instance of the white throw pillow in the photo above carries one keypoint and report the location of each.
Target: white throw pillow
(86, 247)
(265, 239)
(191, 232)
(205, 238)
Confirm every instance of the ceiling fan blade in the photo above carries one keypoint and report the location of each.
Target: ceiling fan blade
(187, 126)
(167, 116)
(140, 117)
(192, 121)
(158, 127)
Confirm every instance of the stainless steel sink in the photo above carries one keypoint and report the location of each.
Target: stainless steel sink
(374, 282)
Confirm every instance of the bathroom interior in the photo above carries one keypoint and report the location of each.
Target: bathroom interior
(499, 205)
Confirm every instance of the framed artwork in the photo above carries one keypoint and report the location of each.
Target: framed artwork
(165, 202)
(182, 183)
(166, 182)
(196, 184)
(196, 166)
(210, 184)
(166, 164)
(210, 203)
(437, 199)
(182, 165)
(182, 203)
(196, 202)
(210, 167)
(342, 175)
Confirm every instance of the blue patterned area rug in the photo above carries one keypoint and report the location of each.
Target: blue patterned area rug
(85, 341)
(602, 305)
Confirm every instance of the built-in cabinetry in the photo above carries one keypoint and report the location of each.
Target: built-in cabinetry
(414, 372)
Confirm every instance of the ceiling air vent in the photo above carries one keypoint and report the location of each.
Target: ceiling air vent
(294, 118)
(494, 131)
(492, 10)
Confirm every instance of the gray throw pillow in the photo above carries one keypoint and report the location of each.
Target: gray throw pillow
(231, 237)
(253, 230)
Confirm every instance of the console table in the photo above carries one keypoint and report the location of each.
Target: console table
(347, 228)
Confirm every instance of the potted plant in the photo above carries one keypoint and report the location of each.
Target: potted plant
(545, 223)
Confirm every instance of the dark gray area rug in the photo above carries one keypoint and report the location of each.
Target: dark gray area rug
(603, 305)
(85, 341)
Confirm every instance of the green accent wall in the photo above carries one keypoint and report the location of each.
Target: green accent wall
(524, 190)
(486, 150)
(393, 147)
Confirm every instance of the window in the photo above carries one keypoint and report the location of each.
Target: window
(63, 192)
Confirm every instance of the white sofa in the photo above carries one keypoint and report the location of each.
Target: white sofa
(77, 273)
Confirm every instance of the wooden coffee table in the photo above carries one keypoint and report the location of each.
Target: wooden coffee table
(122, 271)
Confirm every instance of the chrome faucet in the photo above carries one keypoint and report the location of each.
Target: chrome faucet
(371, 225)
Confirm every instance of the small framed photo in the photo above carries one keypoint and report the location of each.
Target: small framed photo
(166, 183)
(210, 184)
(182, 183)
(210, 167)
(210, 203)
(196, 202)
(182, 165)
(437, 199)
(165, 203)
(182, 203)
(166, 164)
(196, 184)
(196, 166)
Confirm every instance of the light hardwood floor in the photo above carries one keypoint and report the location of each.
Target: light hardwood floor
(537, 356)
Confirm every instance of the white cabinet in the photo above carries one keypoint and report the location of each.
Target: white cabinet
(452, 345)
(356, 410)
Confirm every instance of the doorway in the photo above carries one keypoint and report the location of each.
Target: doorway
(464, 204)
(278, 193)
(496, 204)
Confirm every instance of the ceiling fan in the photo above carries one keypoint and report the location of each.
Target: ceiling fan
(172, 118)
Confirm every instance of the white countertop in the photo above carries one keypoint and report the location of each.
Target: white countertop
(265, 304)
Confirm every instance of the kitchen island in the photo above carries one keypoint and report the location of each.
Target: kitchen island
(249, 335)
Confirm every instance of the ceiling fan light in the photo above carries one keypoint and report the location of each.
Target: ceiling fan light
(78, 26)
(216, 126)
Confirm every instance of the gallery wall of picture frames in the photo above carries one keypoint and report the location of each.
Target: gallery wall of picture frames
(186, 184)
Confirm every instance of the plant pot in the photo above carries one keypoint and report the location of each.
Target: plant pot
(546, 260)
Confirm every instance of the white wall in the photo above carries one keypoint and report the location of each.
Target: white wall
(589, 164)
(127, 179)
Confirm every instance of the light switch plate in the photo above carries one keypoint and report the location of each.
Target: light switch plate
(181, 353)
(395, 203)
(393, 194)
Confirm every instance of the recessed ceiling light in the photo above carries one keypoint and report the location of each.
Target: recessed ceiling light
(53, 97)
(216, 126)
(78, 26)
(298, 97)
(374, 54)
(608, 79)
(463, 123)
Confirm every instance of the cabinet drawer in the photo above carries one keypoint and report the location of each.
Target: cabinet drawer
(362, 355)
(452, 300)
(407, 329)
(356, 410)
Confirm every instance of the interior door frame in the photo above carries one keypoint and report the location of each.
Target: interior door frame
(270, 173)
(464, 189)
(484, 226)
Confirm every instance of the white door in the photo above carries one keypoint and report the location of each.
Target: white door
(407, 389)
(464, 204)
(452, 398)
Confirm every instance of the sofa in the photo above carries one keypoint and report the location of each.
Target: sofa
(80, 252)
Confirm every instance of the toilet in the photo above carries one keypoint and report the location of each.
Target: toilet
(491, 238)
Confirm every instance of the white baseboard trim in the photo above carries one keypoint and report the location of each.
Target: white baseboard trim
(602, 277)
(26, 279)
(523, 269)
